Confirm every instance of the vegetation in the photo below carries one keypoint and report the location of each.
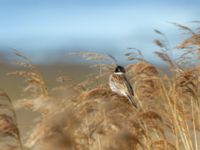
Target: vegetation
(88, 116)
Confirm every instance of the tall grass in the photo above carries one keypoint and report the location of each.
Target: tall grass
(9, 131)
(91, 117)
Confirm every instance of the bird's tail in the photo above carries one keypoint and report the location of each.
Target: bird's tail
(131, 100)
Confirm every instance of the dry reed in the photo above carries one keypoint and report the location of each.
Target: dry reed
(90, 117)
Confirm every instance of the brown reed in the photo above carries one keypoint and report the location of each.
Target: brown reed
(91, 117)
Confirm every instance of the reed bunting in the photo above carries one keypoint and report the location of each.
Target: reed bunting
(120, 84)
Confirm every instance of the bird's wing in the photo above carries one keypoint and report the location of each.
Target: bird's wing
(128, 85)
(121, 82)
(117, 84)
(123, 87)
(131, 101)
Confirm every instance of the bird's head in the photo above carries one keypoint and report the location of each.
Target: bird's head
(120, 69)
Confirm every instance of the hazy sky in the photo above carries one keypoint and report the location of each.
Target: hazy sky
(38, 27)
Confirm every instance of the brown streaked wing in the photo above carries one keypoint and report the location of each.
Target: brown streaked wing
(123, 82)
(128, 85)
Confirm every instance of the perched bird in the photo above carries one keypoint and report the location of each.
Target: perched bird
(120, 84)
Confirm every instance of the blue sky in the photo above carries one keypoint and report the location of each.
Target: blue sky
(41, 27)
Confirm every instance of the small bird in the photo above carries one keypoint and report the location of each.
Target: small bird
(120, 84)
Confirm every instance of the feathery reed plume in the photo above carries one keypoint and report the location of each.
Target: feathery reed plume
(92, 56)
(9, 131)
(32, 76)
(55, 130)
(36, 87)
(192, 43)
(104, 69)
(162, 145)
(135, 54)
(183, 27)
(165, 57)
(187, 84)
(144, 76)
(193, 40)
(165, 50)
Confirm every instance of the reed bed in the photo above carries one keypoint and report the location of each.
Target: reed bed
(91, 117)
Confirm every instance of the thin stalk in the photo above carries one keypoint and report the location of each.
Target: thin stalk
(175, 115)
(194, 126)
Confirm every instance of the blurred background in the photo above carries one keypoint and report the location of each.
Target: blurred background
(45, 30)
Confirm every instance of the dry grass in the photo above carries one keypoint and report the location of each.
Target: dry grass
(90, 117)
(9, 132)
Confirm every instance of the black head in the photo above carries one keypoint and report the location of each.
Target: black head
(120, 69)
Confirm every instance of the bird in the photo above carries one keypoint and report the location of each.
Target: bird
(119, 84)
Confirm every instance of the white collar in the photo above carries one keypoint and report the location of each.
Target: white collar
(119, 73)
